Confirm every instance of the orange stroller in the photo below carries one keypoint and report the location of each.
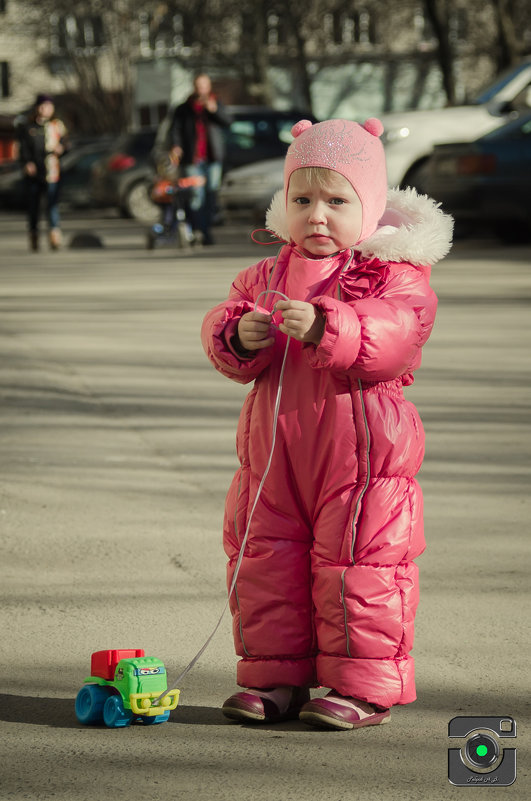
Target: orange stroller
(169, 191)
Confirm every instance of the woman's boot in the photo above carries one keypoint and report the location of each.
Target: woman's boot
(34, 240)
(55, 238)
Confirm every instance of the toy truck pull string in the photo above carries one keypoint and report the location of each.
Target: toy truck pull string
(121, 689)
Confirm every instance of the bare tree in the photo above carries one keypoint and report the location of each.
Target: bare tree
(438, 13)
(495, 29)
(302, 18)
(509, 48)
(94, 44)
(250, 59)
(90, 46)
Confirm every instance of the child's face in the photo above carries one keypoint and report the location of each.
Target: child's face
(323, 219)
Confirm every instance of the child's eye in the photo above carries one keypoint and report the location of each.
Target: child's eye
(302, 200)
(336, 201)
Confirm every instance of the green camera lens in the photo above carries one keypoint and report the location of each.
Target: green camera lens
(482, 751)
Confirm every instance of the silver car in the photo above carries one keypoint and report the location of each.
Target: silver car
(247, 191)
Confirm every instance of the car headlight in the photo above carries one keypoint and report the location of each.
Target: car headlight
(395, 134)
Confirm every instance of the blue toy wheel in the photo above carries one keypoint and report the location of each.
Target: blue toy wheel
(149, 721)
(114, 714)
(90, 701)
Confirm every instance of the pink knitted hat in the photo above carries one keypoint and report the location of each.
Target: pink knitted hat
(352, 150)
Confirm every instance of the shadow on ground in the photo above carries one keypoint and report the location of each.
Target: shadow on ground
(59, 713)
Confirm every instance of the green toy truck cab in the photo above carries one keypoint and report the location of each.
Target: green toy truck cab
(122, 689)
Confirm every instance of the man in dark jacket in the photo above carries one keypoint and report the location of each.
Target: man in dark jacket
(198, 145)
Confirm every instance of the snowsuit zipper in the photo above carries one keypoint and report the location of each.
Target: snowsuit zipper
(355, 516)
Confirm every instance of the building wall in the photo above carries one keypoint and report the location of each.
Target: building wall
(353, 77)
(22, 53)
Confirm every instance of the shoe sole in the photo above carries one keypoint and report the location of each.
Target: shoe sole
(235, 713)
(316, 718)
(247, 716)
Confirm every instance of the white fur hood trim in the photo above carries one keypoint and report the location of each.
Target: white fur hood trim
(413, 228)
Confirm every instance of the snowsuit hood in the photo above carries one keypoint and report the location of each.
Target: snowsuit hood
(413, 228)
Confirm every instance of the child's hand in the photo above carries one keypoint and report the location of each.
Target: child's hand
(253, 331)
(302, 320)
(176, 155)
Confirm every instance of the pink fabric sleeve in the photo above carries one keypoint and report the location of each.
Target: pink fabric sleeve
(220, 325)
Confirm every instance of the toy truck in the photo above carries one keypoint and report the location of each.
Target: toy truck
(122, 688)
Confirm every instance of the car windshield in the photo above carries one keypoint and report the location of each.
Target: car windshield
(516, 129)
(491, 90)
(136, 144)
(247, 132)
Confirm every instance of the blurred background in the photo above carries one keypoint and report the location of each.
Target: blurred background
(437, 72)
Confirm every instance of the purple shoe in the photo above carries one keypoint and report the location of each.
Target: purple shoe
(340, 712)
(249, 707)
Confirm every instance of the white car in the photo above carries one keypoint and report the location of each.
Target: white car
(408, 139)
(249, 189)
(409, 136)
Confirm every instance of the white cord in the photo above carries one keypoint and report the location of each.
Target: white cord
(276, 411)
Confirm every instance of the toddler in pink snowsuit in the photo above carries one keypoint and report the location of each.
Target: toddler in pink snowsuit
(327, 589)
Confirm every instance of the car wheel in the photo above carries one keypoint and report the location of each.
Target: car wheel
(138, 204)
(89, 705)
(114, 714)
(157, 719)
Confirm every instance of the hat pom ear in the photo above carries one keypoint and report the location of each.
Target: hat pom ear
(300, 126)
(373, 126)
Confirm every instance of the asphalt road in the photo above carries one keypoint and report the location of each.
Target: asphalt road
(117, 447)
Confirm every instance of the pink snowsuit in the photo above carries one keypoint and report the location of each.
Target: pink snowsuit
(327, 589)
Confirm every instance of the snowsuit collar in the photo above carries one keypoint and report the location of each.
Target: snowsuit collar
(413, 228)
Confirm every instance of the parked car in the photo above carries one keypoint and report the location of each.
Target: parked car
(248, 190)
(125, 177)
(486, 184)
(76, 168)
(409, 136)
(258, 133)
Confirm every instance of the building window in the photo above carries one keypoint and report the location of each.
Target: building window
(5, 90)
(76, 33)
(353, 28)
(164, 33)
(275, 29)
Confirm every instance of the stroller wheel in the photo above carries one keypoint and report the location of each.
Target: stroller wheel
(183, 235)
(197, 239)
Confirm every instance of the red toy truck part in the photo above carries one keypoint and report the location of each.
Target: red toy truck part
(103, 663)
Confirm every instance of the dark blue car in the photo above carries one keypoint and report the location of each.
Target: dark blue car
(486, 184)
